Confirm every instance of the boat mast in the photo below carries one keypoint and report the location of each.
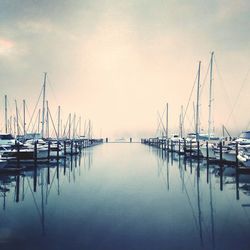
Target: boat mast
(210, 96)
(43, 110)
(10, 124)
(194, 117)
(6, 114)
(80, 125)
(58, 122)
(47, 119)
(14, 121)
(17, 122)
(85, 128)
(69, 125)
(181, 122)
(61, 132)
(89, 129)
(197, 130)
(74, 126)
(38, 124)
(24, 122)
(166, 120)
(180, 125)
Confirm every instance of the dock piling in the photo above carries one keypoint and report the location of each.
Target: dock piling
(49, 149)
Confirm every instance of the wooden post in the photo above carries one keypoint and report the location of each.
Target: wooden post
(237, 171)
(162, 147)
(220, 152)
(57, 150)
(64, 147)
(185, 149)
(221, 168)
(207, 150)
(57, 171)
(18, 155)
(198, 149)
(207, 161)
(35, 167)
(198, 152)
(236, 156)
(71, 147)
(48, 150)
(35, 154)
(80, 146)
(48, 175)
(64, 166)
(185, 161)
(191, 165)
(17, 188)
(35, 179)
(76, 147)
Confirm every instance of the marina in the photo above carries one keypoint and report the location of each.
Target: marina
(63, 187)
(124, 125)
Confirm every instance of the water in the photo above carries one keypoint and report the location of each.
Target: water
(125, 196)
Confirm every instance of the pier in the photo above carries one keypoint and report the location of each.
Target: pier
(167, 146)
(20, 160)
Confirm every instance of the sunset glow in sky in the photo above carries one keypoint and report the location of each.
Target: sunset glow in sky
(119, 62)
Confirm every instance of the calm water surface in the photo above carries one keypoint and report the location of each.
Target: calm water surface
(125, 196)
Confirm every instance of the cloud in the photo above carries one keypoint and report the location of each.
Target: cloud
(36, 26)
(6, 46)
(232, 9)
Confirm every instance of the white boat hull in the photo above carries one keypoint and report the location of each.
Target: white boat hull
(244, 160)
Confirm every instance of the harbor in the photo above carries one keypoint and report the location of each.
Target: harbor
(124, 125)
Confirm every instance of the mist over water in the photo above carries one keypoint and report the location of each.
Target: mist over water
(124, 196)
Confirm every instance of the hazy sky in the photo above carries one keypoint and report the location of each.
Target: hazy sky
(119, 62)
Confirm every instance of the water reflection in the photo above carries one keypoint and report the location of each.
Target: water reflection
(125, 197)
(42, 180)
(194, 174)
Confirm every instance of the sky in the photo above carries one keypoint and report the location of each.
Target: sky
(118, 63)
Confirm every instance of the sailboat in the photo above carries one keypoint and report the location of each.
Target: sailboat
(192, 139)
(208, 149)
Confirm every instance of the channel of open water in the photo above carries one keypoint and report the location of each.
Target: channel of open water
(125, 196)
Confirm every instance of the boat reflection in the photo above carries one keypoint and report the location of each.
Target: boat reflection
(202, 180)
(158, 197)
(40, 180)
